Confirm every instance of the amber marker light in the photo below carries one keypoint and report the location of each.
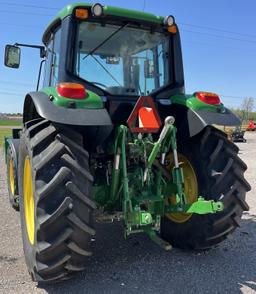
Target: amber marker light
(82, 13)
(172, 29)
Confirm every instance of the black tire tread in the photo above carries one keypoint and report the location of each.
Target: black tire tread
(71, 162)
(53, 152)
(47, 248)
(75, 191)
(222, 175)
(46, 269)
(219, 230)
(62, 138)
(79, 224)
(62, 176)
(63, 233)
(48, 220)
(75, 248)
(12, 197)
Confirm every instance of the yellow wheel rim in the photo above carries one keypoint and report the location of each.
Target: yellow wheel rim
(11, 176)
(29, 201)
(190, 187)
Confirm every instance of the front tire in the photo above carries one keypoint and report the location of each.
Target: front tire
(57, 183)
(220, 176)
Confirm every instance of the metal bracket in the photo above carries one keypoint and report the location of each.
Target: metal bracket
(201, 206)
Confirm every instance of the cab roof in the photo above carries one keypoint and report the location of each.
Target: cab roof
(108, 10)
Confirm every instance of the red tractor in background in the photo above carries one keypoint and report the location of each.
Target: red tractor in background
(251, 126)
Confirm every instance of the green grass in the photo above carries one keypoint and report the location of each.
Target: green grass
(4, 133)
(10, 123)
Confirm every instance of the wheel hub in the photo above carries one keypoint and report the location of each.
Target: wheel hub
(190, 187)
(29, 201)
(11, 177)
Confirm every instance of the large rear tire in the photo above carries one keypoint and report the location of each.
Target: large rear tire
(55, 208)
(220, 176)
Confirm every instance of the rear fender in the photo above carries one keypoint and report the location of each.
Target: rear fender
(39, 104)
(94, 122)
(190, 122)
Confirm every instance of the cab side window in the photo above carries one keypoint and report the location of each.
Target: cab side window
(52, 59)
(48, 63)
(55, 58)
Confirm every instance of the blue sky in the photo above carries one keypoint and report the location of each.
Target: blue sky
(218, 41)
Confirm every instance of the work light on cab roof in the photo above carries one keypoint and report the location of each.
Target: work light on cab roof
(97, 9)
(169, 20)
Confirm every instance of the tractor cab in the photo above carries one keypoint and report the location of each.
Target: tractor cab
(112, 53)
(118, 54)
(115, 55)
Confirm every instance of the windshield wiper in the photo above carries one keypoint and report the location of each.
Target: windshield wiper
(106, 40)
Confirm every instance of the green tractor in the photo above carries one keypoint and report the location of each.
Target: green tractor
(112, 135)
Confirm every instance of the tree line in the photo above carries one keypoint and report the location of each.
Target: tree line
(246, 111)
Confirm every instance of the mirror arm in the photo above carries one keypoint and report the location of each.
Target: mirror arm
(41, 48)
(39, 74)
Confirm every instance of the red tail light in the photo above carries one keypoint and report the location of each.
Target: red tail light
(209, 98)
(71, 90)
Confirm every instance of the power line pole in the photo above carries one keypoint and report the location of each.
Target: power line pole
(144, 5)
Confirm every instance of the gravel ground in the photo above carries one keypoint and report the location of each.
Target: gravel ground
(137, 265)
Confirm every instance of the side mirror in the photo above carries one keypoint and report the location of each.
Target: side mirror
(12, 56)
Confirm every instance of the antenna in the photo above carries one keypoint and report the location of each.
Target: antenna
(144, 5)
